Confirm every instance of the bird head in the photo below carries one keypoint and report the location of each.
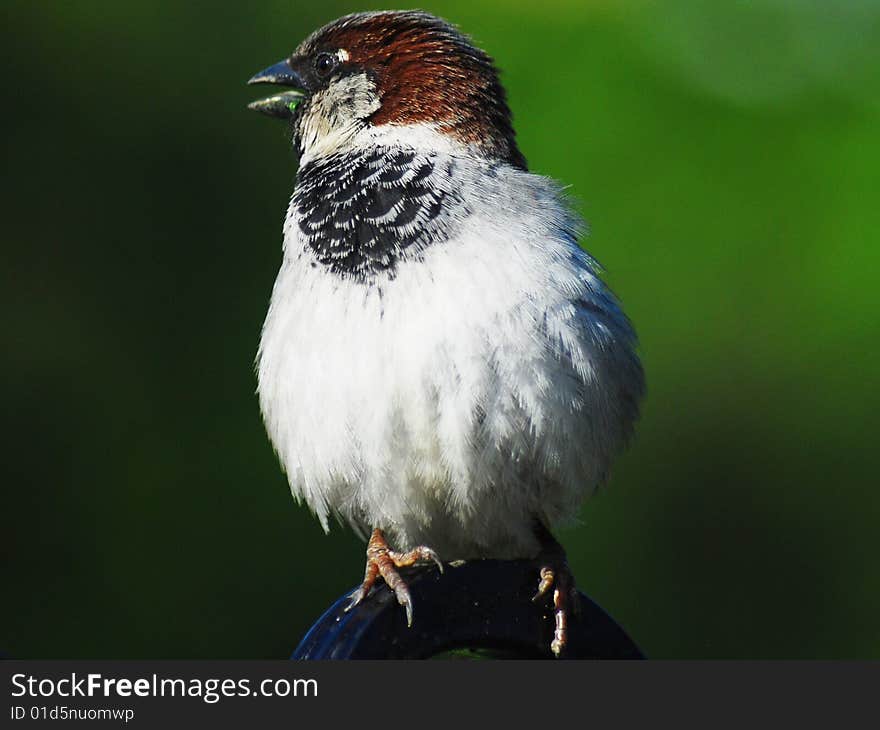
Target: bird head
(394, 71)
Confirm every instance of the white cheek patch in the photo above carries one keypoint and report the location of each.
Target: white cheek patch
(335, 114)
(342, 55)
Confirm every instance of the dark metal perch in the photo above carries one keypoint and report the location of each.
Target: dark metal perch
(481, 605)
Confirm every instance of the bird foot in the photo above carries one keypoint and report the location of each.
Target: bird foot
(556, 575)
(383, 561)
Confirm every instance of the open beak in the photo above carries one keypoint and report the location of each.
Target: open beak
(279, 105)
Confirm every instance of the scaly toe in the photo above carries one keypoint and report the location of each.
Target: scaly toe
(384, 562)
(565, 600)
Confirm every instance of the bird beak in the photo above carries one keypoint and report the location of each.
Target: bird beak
(280, 105)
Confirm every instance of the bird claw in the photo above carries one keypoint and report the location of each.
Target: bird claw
(405, 600)
(428, 554)
(565, 598)
(355, 598)
(547, 577)
(383, 561)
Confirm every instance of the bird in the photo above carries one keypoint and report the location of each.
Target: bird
(442, 367)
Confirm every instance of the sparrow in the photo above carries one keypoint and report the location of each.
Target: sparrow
(441, 366)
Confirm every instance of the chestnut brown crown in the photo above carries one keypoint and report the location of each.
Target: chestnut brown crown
(424, 71)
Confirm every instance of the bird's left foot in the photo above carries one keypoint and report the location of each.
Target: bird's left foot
(556, 575)
(383, 561)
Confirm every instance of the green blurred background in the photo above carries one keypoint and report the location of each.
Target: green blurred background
(727, 156)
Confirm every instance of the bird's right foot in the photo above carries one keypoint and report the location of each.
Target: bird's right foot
(383, 561)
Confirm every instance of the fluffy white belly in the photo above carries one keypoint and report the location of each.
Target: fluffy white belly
(482, 387)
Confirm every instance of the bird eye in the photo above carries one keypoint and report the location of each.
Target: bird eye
(325, 63)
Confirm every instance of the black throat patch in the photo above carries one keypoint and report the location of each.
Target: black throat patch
(362, 213)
